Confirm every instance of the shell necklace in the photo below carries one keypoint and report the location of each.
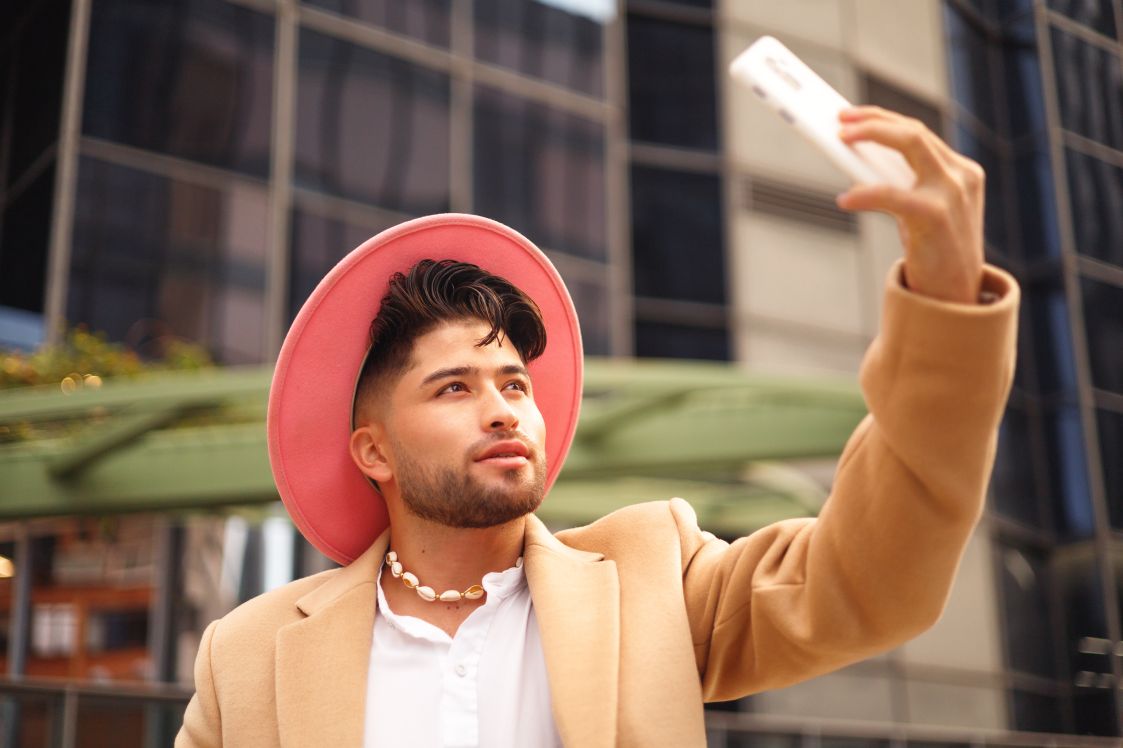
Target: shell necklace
(475, 592)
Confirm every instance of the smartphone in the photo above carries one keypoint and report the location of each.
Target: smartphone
(810, 105)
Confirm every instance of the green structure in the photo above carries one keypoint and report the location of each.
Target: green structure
(649, 429)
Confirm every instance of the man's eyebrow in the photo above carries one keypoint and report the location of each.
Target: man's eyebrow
(452, 371)
(462, 371)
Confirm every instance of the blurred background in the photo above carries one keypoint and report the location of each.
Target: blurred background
(176, 176)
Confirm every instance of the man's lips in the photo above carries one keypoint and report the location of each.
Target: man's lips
(506, 454)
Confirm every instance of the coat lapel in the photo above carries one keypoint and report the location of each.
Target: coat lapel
(322, 660)
(576, 597)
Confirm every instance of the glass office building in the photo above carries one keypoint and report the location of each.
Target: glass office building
(1038, 99)
(190, 169)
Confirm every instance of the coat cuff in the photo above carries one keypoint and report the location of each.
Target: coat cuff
(951, 331)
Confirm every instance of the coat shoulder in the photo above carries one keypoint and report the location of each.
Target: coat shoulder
(258, 618)
(633, 528)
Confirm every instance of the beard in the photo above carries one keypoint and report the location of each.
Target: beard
(456, 498)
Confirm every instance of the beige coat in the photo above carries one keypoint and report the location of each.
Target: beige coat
(643, 616)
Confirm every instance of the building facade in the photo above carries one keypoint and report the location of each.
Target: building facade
(191, 169)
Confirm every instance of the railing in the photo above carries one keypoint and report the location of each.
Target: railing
(46, 713)
(43, 713)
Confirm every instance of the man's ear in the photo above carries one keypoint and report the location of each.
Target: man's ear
(368, 453)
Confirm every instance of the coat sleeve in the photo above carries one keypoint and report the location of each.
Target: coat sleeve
(202, 722)
(802, 597)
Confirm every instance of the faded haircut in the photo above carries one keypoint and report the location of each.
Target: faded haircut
(434, 292)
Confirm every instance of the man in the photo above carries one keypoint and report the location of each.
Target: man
(458, 619)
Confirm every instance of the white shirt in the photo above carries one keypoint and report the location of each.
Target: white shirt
(485, 687)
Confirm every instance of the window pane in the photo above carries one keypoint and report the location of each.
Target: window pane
(541, 171)
(1029, 635)
(1035, 712)
(160, 258)
(24, 235)
(1096, 198)
(1103, 320)
(1069, 492)
(1024, 97)
(1013, 488)
(1046, 307)
(545, 42)
(985, 153)
(1089, 649)
(318, 243)
(591, 299)
(662, 340)
(677, 235)
(191, 79)
(671, 97)
(370, 127)
(970, 67)
(1036, 209)
(40, 62)
(427, 20)
(1110, 426)
(1090, 89)
(1094, 13)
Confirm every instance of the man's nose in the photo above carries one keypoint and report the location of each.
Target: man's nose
(499, 414)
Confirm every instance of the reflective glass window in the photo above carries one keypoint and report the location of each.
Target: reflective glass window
(1014, 491)
(1103, 321)
(318, 243)
(427, 20)
(192, 79)
(1045, 308)
(985, 151)
(157, 258)
(1026, 589)
(1038, 232)
(1069, 491)
(677, 235)
(970, 66)
(370, 127)
(671, 86)
(1034, 712)
(1023, 97)
(665, 340)
(590, 297)
(1089, 88)
(1110, 427)
(1094, 13)
(555, 42)
(541, 171)
(39, 65)
(24, 234)
(1096, 199)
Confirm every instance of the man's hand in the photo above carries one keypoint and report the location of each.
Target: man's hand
(940, 218)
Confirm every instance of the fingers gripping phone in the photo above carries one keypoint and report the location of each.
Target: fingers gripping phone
(810, 105)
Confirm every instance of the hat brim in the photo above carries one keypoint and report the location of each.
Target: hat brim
(311, 397)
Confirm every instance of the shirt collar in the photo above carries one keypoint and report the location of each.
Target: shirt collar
(498, 585)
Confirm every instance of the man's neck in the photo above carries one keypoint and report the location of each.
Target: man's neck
(447, 558)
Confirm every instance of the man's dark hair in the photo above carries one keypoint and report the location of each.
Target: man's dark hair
(438, 291)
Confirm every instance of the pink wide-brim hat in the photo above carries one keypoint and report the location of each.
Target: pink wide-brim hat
(312, 395)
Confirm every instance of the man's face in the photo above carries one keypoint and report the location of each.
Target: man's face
(464, 439)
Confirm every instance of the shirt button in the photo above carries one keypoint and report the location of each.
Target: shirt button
(461, 670)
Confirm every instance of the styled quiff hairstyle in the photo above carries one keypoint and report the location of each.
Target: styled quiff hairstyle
(438, 291)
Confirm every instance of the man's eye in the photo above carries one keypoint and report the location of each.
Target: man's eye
(518, 386)
(454, 387)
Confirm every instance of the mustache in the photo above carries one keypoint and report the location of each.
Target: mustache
(503, 436)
